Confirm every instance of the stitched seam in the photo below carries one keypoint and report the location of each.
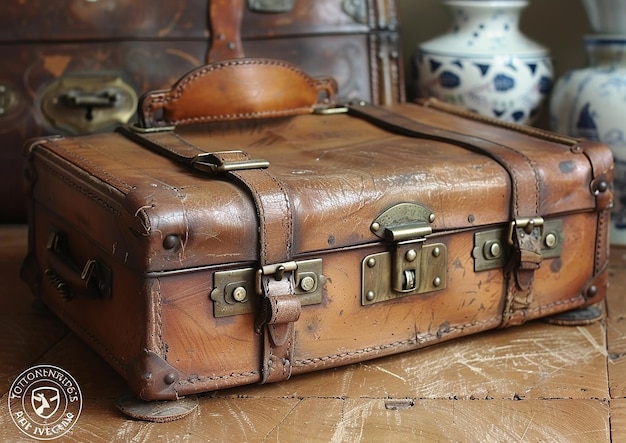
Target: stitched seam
(184, 142)
(421, 339)
(178, 89)
(67, 180)
(287, 217)
(218, 377)
(239, 116)
(522, 129)
(98, 172)
(175, 93)
(603, 218)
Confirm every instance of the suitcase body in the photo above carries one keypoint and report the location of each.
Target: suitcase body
(338, 237)
(78, 67)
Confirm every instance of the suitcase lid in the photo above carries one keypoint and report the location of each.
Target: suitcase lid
(339, 174)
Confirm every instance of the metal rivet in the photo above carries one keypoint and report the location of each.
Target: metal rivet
(307, 283)
(172, 241)
(592, 291)
(370, 296)
(437, 282)
(410, 255)
(371, 262)
(471, 218)
(375, 226)
(240, 293)
(436, 251)
(169, 378)
(602, 186)
(431, 218)
(551, 240)
(495, 250)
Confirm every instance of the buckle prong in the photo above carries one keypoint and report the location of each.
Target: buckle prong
(526, 223)
(277, 270)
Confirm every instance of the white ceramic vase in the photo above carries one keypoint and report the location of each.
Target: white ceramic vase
(606, 16)
(485, 63)
(591, 103)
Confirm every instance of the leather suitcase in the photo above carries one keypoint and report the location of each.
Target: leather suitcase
(283, 233)
(77, 67)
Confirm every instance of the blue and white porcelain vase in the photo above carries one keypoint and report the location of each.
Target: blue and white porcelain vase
(591, 103)
(485, 63)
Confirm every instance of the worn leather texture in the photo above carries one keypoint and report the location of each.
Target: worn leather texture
(149, 45)
(164, 229)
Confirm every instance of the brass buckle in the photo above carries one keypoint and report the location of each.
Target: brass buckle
(210, 162)
(133, 127)
(526, 223)
(330, 111)
(277, 270)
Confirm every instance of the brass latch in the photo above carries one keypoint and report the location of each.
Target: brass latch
(236, 292)
(492, 247)
(84, 104)
(210, 162)
(413, 266)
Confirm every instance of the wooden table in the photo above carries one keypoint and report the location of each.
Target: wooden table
(536, 382)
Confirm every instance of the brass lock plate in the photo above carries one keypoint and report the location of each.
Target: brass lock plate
(491, 248)
(234, 292)
(84, 104)
(9, 99)
(271, 6)
(419, 268)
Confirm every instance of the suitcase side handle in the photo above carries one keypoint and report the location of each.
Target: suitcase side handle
(247, 88)
(69, 278)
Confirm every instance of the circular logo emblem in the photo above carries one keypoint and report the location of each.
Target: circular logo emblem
(45, 402)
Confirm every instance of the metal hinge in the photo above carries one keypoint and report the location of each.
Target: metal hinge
(237, 292)
(412, 266)
(492, 248)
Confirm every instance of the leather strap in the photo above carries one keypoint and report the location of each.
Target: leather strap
(225, 27)
(280, 307)
(525, 199)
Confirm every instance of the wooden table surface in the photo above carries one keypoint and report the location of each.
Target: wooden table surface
(536, 382)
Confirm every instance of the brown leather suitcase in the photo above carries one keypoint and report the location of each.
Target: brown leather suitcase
(77, 67)
(283, 233)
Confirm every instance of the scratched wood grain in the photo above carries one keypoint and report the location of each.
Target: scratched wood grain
(618, 420)
(616, 324)
(24, 333)
(351, 420)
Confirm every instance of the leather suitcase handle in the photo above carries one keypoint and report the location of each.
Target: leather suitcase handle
(236, 89)
(69, 278)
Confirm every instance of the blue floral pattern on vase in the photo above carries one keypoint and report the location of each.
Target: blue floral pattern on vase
(485, 64)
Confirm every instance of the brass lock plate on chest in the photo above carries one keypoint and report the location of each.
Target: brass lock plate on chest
(413, 266)
(84, 104)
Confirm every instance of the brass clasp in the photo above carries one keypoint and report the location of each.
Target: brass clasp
(210, 162)
(526, 223)
(237, 291)
(413, 266)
